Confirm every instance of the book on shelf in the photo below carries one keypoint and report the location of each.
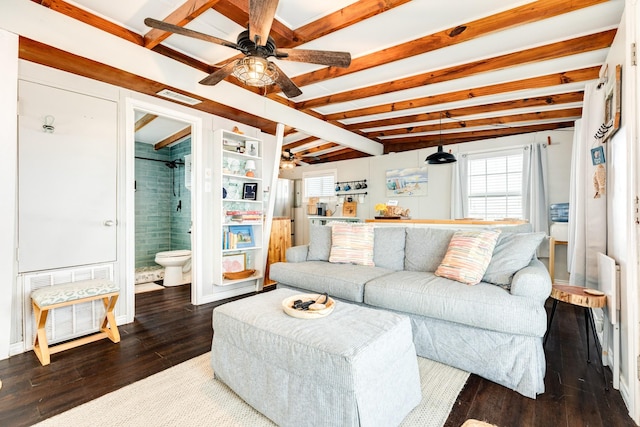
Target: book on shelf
(239, 216)
(239, 240)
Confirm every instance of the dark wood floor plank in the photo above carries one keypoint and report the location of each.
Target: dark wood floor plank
(168, 330)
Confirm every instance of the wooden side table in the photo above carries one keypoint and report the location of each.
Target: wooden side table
(577, 295)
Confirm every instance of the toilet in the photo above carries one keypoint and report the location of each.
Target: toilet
(175, 263)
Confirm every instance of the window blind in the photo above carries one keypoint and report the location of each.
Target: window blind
(495, 185)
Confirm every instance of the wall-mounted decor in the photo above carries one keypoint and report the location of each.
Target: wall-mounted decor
(597, 156)
(612, 107)
(407, 182)
(250, 191)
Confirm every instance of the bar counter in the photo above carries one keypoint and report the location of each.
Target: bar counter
(466, 221)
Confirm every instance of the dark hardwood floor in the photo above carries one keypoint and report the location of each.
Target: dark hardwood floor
(169, 330)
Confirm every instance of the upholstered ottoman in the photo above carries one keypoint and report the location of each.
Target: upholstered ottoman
(356, 366)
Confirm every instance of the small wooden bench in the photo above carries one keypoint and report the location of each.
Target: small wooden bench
(45, 299)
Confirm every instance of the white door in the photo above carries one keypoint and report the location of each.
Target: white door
(67, 178)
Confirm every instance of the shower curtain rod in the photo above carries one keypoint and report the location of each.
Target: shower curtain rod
(175, 162)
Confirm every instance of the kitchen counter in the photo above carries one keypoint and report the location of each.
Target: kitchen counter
(469, 221)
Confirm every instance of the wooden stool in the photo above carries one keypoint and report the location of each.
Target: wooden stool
(45, 299)
(576, 295)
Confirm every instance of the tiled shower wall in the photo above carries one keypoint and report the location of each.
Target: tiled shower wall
(160, 226)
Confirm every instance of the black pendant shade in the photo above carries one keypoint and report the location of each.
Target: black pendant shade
(440, 157)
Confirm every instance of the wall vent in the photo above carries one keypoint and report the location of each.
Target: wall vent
(166, 93)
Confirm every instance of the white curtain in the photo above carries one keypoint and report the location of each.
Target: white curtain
(587, 216)
(459, 200)
(534, 187)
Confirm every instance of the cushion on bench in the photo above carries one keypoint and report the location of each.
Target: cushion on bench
(57, 294)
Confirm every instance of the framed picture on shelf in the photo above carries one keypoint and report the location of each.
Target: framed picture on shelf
(251, 148)
(234, 263)
(244, 235)
(250, 191)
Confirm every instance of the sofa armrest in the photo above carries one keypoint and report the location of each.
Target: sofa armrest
(297, 253)
(533, 281)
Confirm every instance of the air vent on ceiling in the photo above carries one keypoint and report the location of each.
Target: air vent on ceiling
(178, 97)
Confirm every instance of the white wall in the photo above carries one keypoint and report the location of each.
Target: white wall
(437, 203)
(622, 178)
(8, 174)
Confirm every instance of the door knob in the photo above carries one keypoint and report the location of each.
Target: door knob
(109, 223)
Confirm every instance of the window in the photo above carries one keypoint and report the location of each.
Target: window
(495, 185)
(319, 184)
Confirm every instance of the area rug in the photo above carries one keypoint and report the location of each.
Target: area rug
(147, 287)
(187, 395)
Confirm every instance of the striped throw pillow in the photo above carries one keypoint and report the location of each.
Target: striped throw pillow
(468, 255)
(352, 244)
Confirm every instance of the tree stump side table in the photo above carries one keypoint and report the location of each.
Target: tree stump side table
(579, 296)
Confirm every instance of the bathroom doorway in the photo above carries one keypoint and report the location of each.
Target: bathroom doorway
(162, 202)
(160, 208)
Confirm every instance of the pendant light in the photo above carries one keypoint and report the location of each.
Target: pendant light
(440, 157)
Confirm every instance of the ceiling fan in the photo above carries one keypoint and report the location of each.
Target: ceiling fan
(288, 160)
(254, 69)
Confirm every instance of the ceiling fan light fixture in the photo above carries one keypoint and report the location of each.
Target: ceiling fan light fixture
(440, 157)
(287, 164)
(255, 71)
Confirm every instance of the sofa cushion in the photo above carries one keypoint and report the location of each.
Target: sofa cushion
(468, 255)
(319, 243)
(425, 248)
(388, 247)
(484, 305)
(512, 253)
(352, 244)
(344, 281)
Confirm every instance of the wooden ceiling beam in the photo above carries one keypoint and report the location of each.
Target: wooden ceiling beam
(549, 80)
(91, 19)
(238, 12)
(317, 149)
(185, 13)
(543, 53)
(340, 19)
(301, 142)
(538, 101)
(574, 113)
(526, 14)
(111, 28)
(415, 143)
(185, 59)
(144, 120)
(346, 154)
(173, 138)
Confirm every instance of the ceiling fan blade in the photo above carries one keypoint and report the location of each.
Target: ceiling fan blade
(323, 57)
(164, 26)
(288, 87)
(218, 75)
(261, 14)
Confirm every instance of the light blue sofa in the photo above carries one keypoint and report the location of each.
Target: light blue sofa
(493, 329)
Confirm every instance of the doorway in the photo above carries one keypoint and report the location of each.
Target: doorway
(162, 200)
(161, 207)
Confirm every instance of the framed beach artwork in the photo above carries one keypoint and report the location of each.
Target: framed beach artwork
(244, 235)
(407, 182)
